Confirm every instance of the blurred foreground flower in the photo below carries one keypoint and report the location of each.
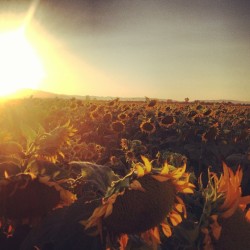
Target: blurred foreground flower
(222, 198)
(144, 202)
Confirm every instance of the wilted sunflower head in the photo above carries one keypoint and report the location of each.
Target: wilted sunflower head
(94, 115)
(34, 196)
(113, 102)
(167, 121)
(93, 107)
(147, 127)
(152, 103)
(117, 126)
(107, 117)
(137, 211)
(130, 156)
(211, 134)
(143, 200)
(122, 116)
(207, 112)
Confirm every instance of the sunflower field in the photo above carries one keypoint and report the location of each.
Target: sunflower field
(83, 174)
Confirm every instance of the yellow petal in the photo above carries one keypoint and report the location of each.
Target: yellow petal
(160, 178)
(166, 230)
(175, 218)
(180, 183)
(140, 170)
(188, 191)
(165, 169)
(179, 199)
(6, 175)
(179, 208)
(147, 164)
(136, 185)
(177, 173)
(156, 235)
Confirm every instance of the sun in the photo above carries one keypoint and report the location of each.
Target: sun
(20, 65)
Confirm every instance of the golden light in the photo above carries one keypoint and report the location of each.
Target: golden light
(31, 57)
(20, 65)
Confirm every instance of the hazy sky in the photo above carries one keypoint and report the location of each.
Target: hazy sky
(134, 48)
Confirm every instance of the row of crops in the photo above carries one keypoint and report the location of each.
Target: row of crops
(41, 141)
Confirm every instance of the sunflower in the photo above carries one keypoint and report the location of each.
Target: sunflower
(211, 134)
(117, 126)
(122, 116)
(93, 107)
(207, 112)
(222, 198)
(130, 156)
(151, 103)
(113, 102)
(95, 115)
(34, 196)
(144, 202)
(148, 127)
(107, 118)
(167, 121)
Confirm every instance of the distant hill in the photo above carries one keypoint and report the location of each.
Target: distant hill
(32, 93)
(26, 93)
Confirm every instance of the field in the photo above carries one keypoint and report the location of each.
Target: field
(44, 141)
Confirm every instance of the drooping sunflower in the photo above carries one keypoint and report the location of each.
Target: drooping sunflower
(151, 103)
(107, 118)
(122, 116)
(130, 156)
(117, 126)
(35, 197)
(144, 202)
(148, 127)
(167, 121)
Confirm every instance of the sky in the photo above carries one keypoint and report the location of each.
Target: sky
(170, 49)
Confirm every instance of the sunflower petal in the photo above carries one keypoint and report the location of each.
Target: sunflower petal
(175, 218)
(166, 229)
(140, 170)
(123, 240)
(165, 169)
(147, 164)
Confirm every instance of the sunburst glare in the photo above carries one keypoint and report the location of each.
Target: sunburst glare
(20, 65)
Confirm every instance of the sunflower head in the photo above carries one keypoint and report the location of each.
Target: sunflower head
(143, 200)
(138, 210)
(95, 115)
(122, 116)
(107, 118)
(130, 156)
(34, 196)
(167, 121)
(151, 103)
(117, 126)
(148, 127)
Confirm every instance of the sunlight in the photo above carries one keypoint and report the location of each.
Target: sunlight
(20, 66)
